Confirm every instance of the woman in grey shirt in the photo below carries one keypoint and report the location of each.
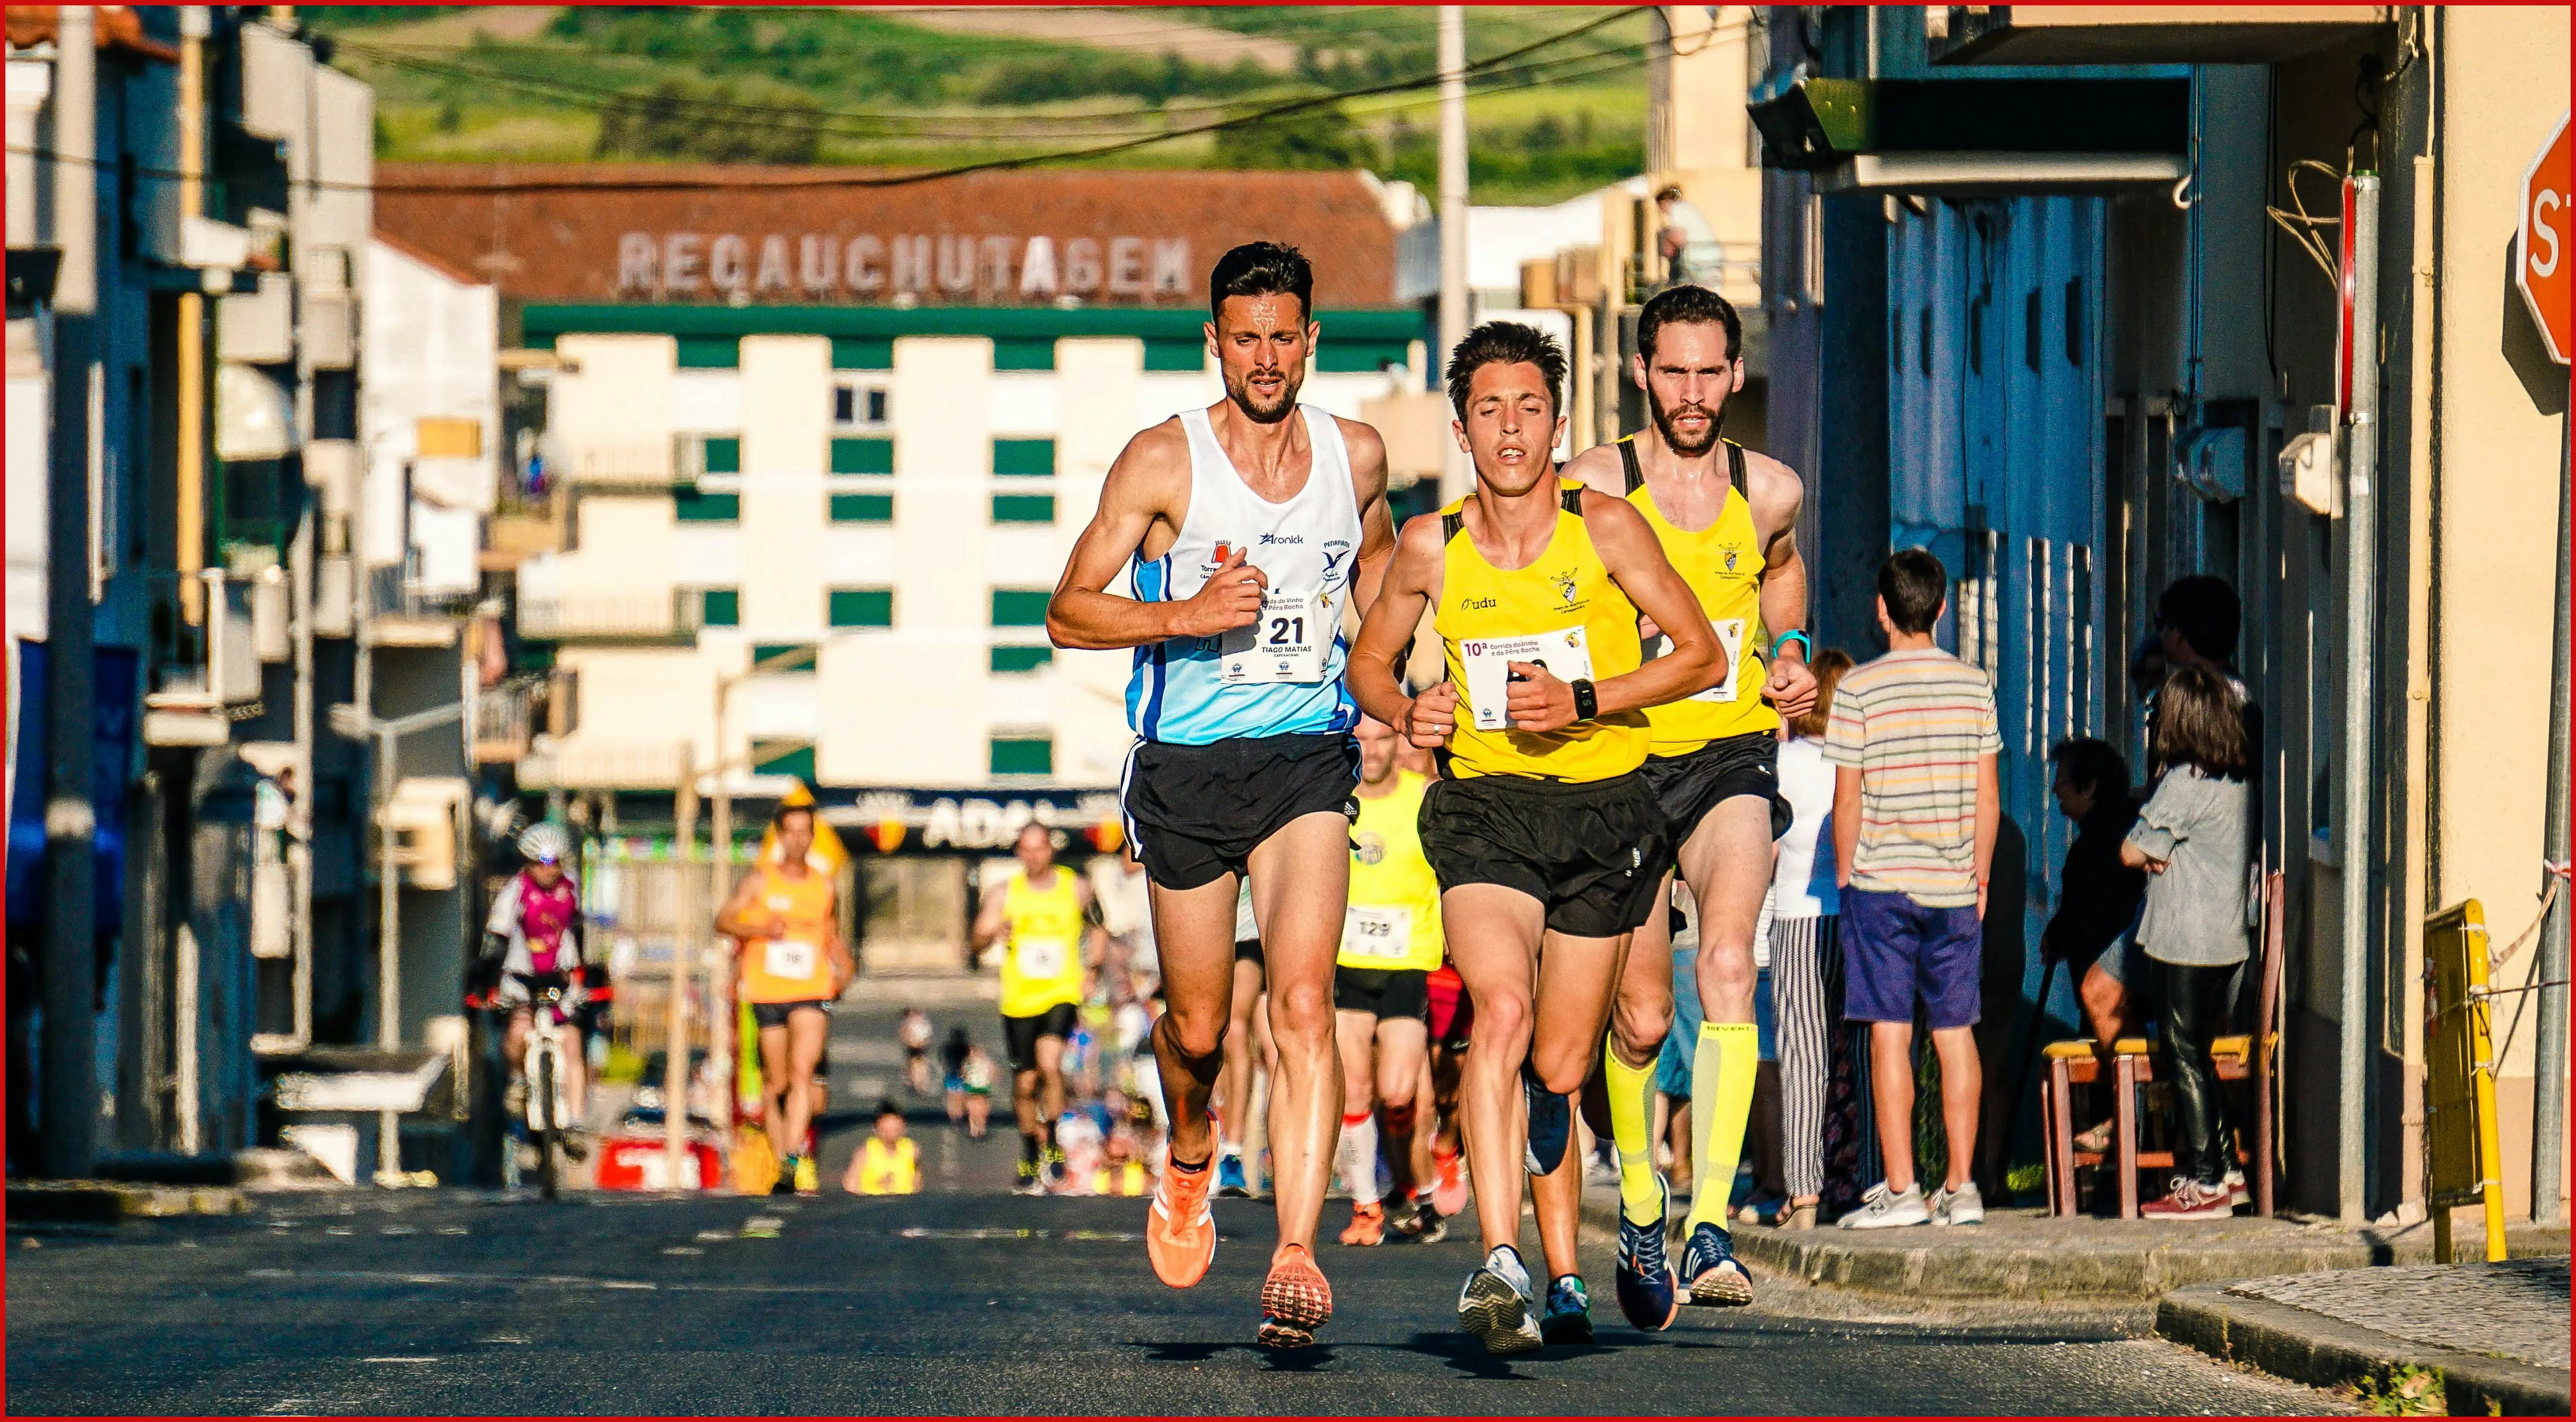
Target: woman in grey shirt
(2190, 838)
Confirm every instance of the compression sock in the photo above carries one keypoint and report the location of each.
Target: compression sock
(1631, 1090)
(1358, 1157)
(1028, 1150)
(1722, 1094)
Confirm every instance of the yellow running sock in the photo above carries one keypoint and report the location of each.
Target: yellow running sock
(1722, 1075)
(1631, 1116)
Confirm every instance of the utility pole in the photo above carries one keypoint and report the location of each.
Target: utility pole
(195, 24)
(2353, 827)
(687, 915)
(1454, 473)
(2549, 1062)
(69, 1045)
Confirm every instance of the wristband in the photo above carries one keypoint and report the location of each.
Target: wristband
(1587, 704)
(1806, 646)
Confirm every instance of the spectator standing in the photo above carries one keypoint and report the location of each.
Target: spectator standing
(2191, 838)
(1913, 741)
(2098, 896)
(1806, 949)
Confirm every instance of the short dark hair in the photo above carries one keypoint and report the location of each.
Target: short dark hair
(779, 819)
(2200, 721)
(2204, 609)
(1914, 585)
(886, 1107)
(2093, 763)
(1668, 190)
(1504, 343)
(1262, 269)
(1689, 305)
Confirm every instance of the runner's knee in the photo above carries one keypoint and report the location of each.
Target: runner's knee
(1562, 1070)
(1302, 1013)
(1193, 1038)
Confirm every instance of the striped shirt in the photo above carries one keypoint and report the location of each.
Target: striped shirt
(1914, 724)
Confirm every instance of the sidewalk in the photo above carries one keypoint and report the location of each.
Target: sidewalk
(2023, 1255)
(2496, 1333)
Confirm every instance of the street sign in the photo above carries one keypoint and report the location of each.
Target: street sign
(2541, 247)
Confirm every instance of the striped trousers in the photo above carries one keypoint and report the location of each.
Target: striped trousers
(1824, 1066)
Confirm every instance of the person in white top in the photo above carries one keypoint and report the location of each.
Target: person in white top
(1806, 954)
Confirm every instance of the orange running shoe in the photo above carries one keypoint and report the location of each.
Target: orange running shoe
(1449, 1194)
(1295, 1300)
(1180, 1231)
(1368, 1225)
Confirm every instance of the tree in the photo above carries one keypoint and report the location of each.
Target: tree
(1320, 137)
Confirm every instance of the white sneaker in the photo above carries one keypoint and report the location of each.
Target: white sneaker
(1881, 1209)
(1963, 1206)
(1495, 1304)
(2237, 1194)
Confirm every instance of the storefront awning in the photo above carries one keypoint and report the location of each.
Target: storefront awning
(1959, 136)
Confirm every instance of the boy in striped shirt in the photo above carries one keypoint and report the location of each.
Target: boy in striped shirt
(1913, 742)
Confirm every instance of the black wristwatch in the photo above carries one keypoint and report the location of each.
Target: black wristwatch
(1586, 704)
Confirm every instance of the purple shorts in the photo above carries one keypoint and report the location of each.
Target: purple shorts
(1895, 950)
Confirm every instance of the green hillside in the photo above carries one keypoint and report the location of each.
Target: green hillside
(938, 88)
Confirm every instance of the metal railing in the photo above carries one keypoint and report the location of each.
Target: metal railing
(577, 763)
(553, 616)
(505, 717)
(395, 591)
(609, 461)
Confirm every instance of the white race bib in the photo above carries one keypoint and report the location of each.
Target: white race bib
(1040, 957)
(791, 958)
(1730, 637)
(1286, 645)
(1377, 932)
(1566, 653)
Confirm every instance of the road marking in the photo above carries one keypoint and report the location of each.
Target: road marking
(339, 1229)
(451, 1229)
(398, 1360)
(714, 1236)
(1084, 1236)
(558, 1281)
(389, 1231)
(684, 1249)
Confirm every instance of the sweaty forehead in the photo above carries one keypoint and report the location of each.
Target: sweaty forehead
(1276, 312)
(1690, 344)
(1509, 380)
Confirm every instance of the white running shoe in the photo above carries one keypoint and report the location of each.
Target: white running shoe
(1963, 1206)
(1881, 1209)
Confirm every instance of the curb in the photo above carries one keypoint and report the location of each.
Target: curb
(105, 1201)
(2310, 1348)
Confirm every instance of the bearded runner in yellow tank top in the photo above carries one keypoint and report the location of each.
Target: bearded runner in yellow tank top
(1382, 989)
(1547, 842)
(1727, 518)
(1049, 931)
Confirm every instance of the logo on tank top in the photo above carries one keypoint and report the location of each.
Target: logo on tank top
(1368, 847)
(1730, 560)
(1565, 588)
(1334, 552)
(1269, 538)
(1475, 604)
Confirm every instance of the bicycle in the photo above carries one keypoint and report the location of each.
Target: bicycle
(548, 1110)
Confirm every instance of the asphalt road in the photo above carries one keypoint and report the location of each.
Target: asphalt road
(963, 1300)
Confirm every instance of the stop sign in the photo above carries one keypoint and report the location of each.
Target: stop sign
(2541, 253)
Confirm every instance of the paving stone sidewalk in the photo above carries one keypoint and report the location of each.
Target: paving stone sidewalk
(2516, 1310)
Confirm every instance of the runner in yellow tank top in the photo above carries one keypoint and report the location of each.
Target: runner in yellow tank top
(1049, 928)
(1727, 518)
(791, 967)
(1381, 987)
(1547, 842)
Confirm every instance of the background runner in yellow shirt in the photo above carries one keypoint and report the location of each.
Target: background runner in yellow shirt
(887, 1163)
(1050, 930)
(791, 968)
(1381, 999)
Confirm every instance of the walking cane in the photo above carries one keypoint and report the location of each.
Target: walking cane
(2030, 1039)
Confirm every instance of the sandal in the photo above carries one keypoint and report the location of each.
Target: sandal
(2096, 1141)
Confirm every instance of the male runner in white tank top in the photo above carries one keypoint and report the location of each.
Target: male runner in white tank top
(1247, 525)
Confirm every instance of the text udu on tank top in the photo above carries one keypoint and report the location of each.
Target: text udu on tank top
(1283, 674)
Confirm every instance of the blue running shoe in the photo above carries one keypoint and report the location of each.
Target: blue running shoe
(1568, 1318)
(1647, 1294)
(1230, 1183)
(1711, 1271)
(1551, 1125)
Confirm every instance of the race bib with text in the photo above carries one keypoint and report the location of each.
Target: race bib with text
(1377, 932)
(1565, 653)
(1286, 645)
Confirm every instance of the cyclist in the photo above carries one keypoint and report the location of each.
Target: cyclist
(792, 968)
(535, 932)
(1049, 925)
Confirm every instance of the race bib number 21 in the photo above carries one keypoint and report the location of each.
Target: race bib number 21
(1286, 645)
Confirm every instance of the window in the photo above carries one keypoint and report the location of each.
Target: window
(769, 651)
(862, 456)
(723, 454)
(1021, 659)
(1023, 456)
(720, 607)
(709, 353)
(1024, 508)
(1020, 607)
(857, 404)
(691, 506)
(862, 607)
(1022, 755)
(783, 758)
(863, 508)
(863, 352)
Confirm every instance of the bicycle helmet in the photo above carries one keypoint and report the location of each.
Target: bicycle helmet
(545, 843)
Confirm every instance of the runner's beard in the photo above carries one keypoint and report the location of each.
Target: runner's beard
(1673, 441)
(1239, 390)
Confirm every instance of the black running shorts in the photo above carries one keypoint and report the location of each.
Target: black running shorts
(1020, 1034)
(1197, 812)
(775, 1014)
(1386, 993)
(1592, 851)
(1689, 786)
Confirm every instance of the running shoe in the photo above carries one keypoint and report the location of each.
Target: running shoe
(785, 1184)
(1551, 1125)
(1421, 1221)
(1963, 1206)
(1569, 1312)
(1711, 1272)
(1367, 1227)
(1230, 1183)
(809, 1177)
(1030, 1183)
(1180, 1230)
(1449, 1192)
(1644, 1279)
(1295, 1300)
(1494, 1304)
(1881, 1208)
(1058, 1177)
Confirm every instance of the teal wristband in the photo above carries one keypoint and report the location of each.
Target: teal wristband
(1806, 647)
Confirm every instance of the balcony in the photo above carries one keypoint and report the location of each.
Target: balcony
(507, 718)
(197, 702)
(599, 462)
(581, 763)
(404, 612)
(664, 614)
(2140, 34)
